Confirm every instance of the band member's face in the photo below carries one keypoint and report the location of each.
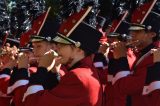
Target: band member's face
(40, 48)
(65, 52)
(140, 36)
(111, 40)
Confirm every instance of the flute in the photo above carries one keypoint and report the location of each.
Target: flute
(128, 45)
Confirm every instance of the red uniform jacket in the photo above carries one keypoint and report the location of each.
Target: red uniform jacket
(151, 89)
(79, 87)
(101, 64)
(4, 80)
(112, 69)
(132, 84)
(20, 80)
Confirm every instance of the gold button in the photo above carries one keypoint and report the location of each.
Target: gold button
(73, 21)
(138, 20)
(39, 22)
(143, 12)
(65, 30)
(77, 44)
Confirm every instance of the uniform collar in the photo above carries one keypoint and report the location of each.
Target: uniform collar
(147, 49)
(85, 62)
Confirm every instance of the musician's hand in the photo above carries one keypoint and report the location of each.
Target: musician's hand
(5, 58)
(48, 60)
(156, 55)
(11, 63)
(103, 48)
(14, 50)
(23, 60)
(7, 52)
(119, 50)
(57, 65)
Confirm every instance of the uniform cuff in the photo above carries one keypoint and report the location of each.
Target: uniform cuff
(6, 71)
(47, 79)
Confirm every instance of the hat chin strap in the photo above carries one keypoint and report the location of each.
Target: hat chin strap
(77, 44)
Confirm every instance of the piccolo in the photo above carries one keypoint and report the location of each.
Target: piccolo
(128, 45)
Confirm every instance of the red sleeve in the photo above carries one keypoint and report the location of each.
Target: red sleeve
(131, 84)
(154, 100)
(4, 80)
(18, 85)
(69, 92)
(4, 84)
(5, 101)
(134, 83)
(18, 95)
(103, 75)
